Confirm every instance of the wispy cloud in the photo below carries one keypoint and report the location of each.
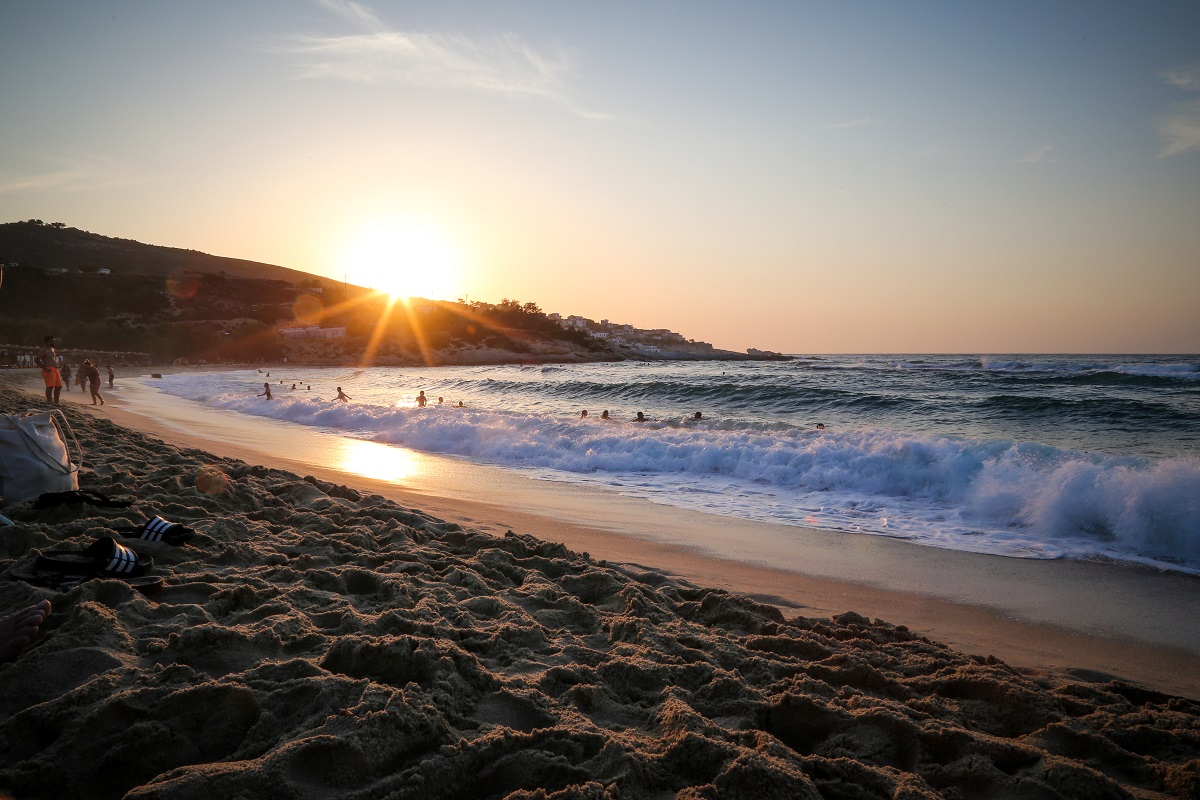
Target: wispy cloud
(1186, 77)
(498, 64)
(77, 174)
(1180, 129)
(1041, 153)
(354, 13)
(1179, 126)
(864, 122)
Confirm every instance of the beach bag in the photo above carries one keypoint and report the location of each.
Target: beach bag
(33, 455)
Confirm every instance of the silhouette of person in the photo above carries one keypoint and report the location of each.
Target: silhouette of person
(266, 392)
(342, 395)
(421, 401)
(640, 417)
(583, 414)
(47, 359)
(604, 414)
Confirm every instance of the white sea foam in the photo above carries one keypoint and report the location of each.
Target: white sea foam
(1003, 497)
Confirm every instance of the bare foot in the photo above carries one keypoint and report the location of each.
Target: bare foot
(18, 630)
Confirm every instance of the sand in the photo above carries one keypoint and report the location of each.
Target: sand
(318, 640)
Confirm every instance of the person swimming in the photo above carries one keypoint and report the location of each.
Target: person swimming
(342, 395)
(266, 392)
(583, 414)
(640, 417)
(421, 400)
(604, 414)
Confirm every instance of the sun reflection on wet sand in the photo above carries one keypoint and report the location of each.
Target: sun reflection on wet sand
(374, 460)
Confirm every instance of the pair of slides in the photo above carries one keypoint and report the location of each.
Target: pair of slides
(107, 558)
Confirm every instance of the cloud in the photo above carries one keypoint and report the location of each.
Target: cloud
(1041, 153)
(865, 122)
(1186, 77)
(82, 174)
(498, 64)
(1179, 127)
(355, 13)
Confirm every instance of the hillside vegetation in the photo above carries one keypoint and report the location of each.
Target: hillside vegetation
(100, 293)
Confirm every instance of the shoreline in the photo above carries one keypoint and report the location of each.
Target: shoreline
(1073, 618)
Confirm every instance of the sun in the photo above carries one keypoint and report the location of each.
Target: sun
(403, 257)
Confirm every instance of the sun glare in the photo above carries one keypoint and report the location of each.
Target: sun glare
(405, 258)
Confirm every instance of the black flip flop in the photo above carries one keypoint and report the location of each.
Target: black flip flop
(105, 558)
(158, 529)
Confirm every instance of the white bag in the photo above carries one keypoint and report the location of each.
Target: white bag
(33, 456)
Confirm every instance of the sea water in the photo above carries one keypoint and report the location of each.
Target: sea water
(1031, 456)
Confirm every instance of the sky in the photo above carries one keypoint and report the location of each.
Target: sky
(805, 177)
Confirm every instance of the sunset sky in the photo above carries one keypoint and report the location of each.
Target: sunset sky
(797, 176)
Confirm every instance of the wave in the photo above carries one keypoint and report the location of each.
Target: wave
(1033, 367)
(1111, 409)
(977, 494)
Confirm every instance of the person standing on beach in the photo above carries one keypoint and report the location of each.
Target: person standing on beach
(47, 359)
(111, 375)
(342, 395)
(266, 392)
(421, 401)
(93, 379)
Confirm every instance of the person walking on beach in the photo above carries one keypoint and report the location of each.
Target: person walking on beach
(421, 401)
(47, 359)
(93, 379)
(111, 375)
(266, 392)
(342, 395)
(66, 376)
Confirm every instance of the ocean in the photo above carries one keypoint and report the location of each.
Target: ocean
(1033, 456)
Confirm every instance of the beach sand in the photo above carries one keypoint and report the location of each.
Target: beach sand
(321, 639)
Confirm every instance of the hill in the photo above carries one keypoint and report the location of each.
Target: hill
(52, 246)
(100, 295)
